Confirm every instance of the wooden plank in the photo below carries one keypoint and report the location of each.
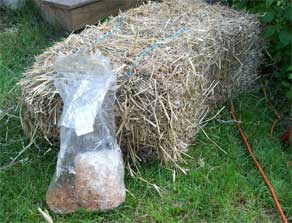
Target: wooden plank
(92, 13)
(59, 17)
(55, 16)
(65, 4)
(77, 18)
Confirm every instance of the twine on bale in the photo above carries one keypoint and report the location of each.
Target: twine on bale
(183, 57)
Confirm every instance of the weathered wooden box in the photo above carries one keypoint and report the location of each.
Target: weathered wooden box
(76, 14)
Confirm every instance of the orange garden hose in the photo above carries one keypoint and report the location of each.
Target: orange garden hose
(232, 112)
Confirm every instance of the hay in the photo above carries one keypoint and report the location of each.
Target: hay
(174, 61)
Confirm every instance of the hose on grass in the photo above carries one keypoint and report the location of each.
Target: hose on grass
(269, 185)
(278, 119)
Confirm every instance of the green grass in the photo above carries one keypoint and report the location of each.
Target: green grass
(23, 35)
(218, 188)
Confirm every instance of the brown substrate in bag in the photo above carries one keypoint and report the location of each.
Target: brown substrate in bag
(99, 180)
(62, 200)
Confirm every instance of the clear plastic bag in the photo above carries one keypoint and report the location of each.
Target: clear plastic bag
(90, 169)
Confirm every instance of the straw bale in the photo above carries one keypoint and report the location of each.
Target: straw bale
(174, 60)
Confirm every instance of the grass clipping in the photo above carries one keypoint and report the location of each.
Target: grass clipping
(174, 61)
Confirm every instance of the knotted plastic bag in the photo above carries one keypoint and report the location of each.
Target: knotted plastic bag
(90, 170)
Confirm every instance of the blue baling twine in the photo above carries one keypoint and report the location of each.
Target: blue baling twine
(109, 33)
(154, 46)
(145, 51)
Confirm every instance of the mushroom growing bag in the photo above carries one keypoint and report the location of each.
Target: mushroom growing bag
(90, 170)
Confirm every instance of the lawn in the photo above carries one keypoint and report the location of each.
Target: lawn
(219, 186)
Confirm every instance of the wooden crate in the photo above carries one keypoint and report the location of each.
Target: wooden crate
(76, 14)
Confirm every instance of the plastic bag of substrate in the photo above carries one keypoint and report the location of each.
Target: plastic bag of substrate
(90, 170)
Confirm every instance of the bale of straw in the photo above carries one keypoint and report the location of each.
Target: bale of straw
(174, 61)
